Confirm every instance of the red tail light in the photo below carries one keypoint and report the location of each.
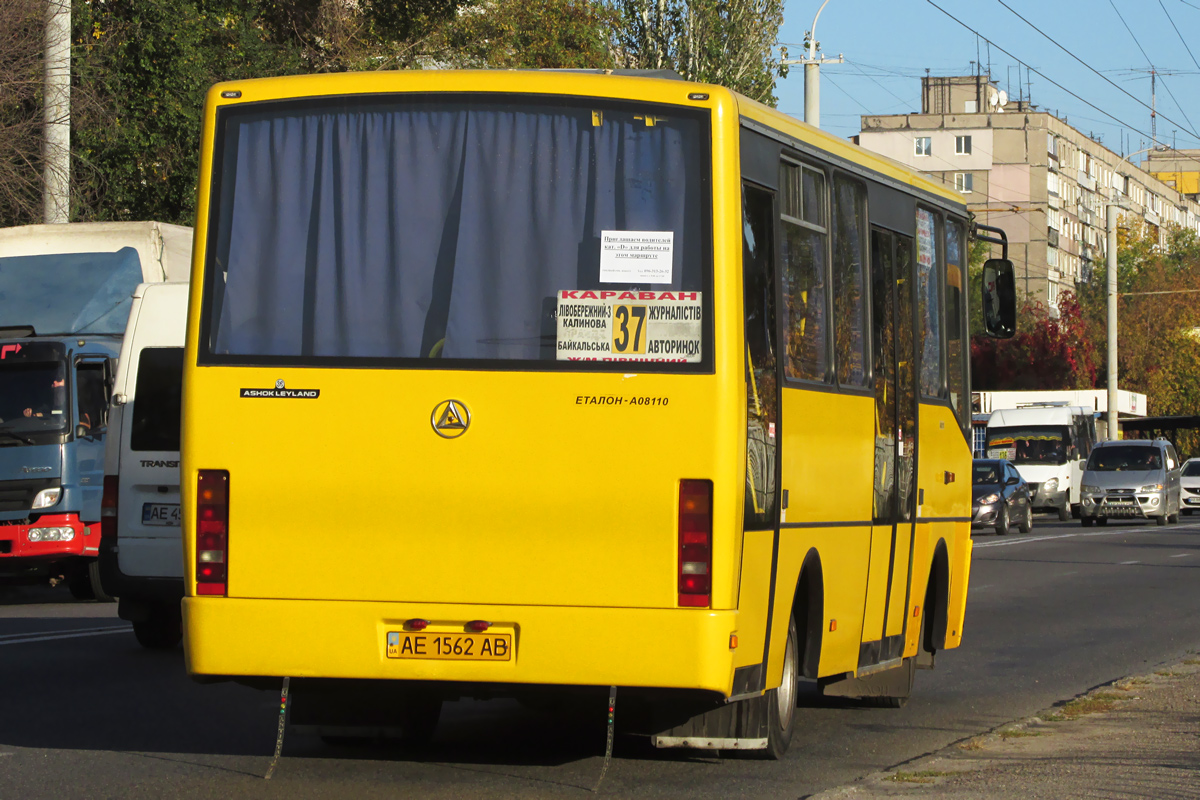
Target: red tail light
(695, 543)
(108, 507)
(212, 531)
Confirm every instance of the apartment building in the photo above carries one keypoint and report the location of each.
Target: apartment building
(1028, 172)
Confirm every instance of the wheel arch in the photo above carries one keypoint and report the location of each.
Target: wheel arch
(808, 608)
(937, 599)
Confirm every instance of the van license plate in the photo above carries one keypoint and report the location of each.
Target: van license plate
(161, 514)
(456, 646)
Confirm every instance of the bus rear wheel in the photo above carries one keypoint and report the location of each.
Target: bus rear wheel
(781, 701)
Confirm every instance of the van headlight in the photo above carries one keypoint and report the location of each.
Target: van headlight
(1153, 487)
(1051, 485)
(47, 497)
(1088, 489)
(51, 534)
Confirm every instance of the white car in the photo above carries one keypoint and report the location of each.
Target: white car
(1189, 480)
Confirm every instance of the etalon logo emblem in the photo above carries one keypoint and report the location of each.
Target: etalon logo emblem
(279, 384)
(450, 419)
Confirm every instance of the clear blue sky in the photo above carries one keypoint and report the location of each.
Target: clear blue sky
(888, 44)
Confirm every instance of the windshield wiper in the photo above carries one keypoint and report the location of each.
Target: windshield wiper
(18, 437)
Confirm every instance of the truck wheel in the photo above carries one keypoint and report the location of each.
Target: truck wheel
(781, 701)
(162, 628)
(1161, 519)
(93, 572)
(1064, 512)
(79, 584)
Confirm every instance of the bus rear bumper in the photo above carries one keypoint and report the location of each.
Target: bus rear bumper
(655, 648)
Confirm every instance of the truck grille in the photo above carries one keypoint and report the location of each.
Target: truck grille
(18, 495)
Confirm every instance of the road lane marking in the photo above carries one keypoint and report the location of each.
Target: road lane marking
(1024, 540)
(1181, 555)
(50, 636)
(1127, 563)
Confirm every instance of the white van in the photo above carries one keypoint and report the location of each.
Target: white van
(141, 548)
(1048, 444)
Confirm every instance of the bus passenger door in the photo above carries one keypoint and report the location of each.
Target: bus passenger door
(895, 487)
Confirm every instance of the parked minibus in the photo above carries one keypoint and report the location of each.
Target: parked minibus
(512, 381)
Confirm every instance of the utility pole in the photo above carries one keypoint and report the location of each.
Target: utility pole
(56, 114)
(1111, 264)
(812, 72)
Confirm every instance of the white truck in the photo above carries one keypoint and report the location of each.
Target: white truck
(1048, 443)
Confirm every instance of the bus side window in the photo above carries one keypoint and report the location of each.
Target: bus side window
(805, 288)
(758, 276)
(956, 366)
(849, 280)
(928, 302)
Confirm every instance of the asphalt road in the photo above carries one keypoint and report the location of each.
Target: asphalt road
(85, 712)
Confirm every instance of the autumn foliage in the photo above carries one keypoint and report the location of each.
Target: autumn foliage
(1046, 353)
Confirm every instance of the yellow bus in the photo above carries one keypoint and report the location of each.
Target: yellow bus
(503, 381)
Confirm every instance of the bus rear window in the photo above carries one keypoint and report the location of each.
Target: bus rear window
(442, 231)
(156, 402)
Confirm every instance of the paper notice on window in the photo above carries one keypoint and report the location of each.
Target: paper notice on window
(629, 326)
(636, 256)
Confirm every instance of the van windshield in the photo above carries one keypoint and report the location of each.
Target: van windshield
(442, 230)
(1029, 444)
(1122, 458)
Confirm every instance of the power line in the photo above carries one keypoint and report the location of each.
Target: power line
(1180, 35)
(1151, 63)
(843, 91)
(1193, 5)
(877, 83)
(1128, 94)
(1044, 76)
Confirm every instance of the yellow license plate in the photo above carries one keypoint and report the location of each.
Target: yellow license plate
(460, 646)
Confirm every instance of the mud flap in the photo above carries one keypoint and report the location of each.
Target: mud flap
(895, 682)
(740, 725)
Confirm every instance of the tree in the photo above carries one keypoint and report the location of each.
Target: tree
(1045, 354)
(726, 42)
(532, 34)
(21, 37)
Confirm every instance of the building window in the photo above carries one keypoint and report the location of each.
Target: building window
(923, 146)
(962, 145)
(964, 182)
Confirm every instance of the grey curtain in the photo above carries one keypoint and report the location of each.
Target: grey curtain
(419, 231)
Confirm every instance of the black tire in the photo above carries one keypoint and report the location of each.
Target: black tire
(1173, 519)
(1064, 512)
(419, 720)
(1003, 523)
(78, 584)
(1102, 520)
(93, 572)
(162, 629)
(1077, 511)
(1086, 521)
(1160, 520)
(1027, 525)
(781, 701)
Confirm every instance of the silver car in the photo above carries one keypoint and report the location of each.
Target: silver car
(1189, 480)
(1131, 479)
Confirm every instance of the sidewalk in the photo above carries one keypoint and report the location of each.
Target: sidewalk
(1138, 737)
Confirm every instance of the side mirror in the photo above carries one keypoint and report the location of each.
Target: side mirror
(1012, 481)
(999, 298)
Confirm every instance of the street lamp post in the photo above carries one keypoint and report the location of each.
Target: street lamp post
(812, 73)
